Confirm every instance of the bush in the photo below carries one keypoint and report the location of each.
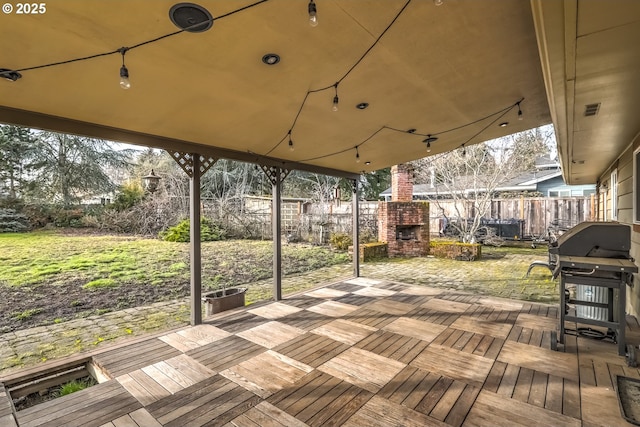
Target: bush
(128, 196)
(209, 231)
(12, 221)
(340, 241)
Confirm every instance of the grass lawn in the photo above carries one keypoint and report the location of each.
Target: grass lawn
(49, 277)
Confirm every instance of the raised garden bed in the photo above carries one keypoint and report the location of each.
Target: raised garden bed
(456, 250)
(372, 251)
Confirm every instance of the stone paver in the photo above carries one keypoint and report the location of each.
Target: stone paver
(503, 277)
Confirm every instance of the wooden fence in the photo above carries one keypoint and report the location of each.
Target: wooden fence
(538, 213)
(316, 223)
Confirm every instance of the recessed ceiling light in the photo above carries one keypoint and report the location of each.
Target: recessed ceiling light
(271, 58)
(362, 105)
(10, 74)
(367, 163)
(503, 124)
(187, 16)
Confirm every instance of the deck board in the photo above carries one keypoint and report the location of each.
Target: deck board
(455, 364)
(119, 361)
(360, 352)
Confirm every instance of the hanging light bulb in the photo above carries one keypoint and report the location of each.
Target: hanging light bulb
(313, 18)
(429, 140)
(357, 155)
(464, 150)
(519, 112)
(290, 142)
(335, 98)
(124, 72)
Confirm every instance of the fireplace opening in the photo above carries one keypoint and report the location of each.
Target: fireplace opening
(407, 232)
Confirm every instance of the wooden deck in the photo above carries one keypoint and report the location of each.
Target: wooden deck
(356, 353)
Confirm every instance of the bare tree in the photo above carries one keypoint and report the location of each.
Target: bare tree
(471, 175)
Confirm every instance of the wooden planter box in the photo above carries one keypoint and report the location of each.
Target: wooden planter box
(218, 301)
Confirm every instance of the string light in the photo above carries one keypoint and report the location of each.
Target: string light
(429, 140)
(124, 72)
(357, 155)
(290, 142)
(335, 99)
(519, 111)
(313, 17)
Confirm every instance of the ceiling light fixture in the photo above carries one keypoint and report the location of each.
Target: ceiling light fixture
(271, 58)
(503, 124)
(10, 75)
(335, 99)
(313, 18)
(464, 150)
(357, 155)
(438, 2)
(367, 163)
(362, 105)
(124, 72)
(190, 17)
(519, 112)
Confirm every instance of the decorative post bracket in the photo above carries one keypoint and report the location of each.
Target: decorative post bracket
(185, 161)
(272, 171)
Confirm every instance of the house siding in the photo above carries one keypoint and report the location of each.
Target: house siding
(624, 164)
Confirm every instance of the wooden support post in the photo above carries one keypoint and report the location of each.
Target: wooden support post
(195, 245)
(356, 229)
(277, 234)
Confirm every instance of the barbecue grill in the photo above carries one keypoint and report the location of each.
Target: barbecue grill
(594, 256)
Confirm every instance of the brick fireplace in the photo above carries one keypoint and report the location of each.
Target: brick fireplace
(403, 223)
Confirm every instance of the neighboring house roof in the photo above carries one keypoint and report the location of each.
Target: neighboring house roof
(527, 181)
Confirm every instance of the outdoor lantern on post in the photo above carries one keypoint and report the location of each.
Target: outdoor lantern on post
(150, 182)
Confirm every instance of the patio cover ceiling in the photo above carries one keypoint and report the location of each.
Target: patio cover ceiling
(590, 56)
(437, 68)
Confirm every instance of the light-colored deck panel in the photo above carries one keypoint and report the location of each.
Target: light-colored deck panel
(391, 307)
(379, 412)
(333, 308)
(371, 291)
(204, 334)
(446, 306)
(455, 364)
(482, 326)
(326, 293)
(422, 291)
(271, 334)
(345, 331)
(491, 410)
(275, 310)
(362, 368)
(540, 359)
(419, 329)
(190, 368)
(533, 321)
(179, 342)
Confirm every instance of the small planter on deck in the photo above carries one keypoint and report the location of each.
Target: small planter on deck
(223, 300)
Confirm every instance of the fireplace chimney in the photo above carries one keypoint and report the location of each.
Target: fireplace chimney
(401, 183)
